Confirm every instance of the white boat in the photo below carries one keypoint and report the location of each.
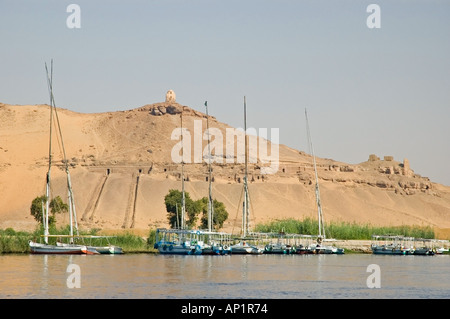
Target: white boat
(39, 248)
(103, 247)
(441, 250)
(244, 248)
(319, 247)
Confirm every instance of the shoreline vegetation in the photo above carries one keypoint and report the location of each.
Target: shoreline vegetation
(355, 238)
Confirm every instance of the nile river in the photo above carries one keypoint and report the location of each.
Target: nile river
(142, 276)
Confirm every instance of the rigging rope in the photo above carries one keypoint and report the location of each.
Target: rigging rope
(237, 211)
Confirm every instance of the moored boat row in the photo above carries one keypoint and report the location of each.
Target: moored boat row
(401, 245)
(200, 242)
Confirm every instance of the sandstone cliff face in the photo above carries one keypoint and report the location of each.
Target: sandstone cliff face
(122, 167)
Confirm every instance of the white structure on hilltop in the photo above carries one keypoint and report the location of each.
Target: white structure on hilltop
(170, 96)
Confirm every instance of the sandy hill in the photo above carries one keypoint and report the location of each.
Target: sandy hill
(122, 167)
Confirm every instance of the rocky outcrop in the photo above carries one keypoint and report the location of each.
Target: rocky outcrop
(171, 108)
(166, 108)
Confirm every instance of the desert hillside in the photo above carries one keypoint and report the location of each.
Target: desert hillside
(121, 167)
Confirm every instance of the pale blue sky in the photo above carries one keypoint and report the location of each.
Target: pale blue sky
(384, 91)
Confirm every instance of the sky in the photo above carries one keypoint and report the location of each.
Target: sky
(381, 90)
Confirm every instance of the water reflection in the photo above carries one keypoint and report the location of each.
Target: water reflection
(264, 276)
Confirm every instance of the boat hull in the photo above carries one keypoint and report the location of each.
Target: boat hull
(319, 250)
(37, 248)
(279, 249)
(177, 249)
(382, 250)
(424, 252)
(216, 250)
(245, 249)
(108, 250)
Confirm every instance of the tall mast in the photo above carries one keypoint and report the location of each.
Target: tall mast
(245, 218)
(319, 205)
(210, 200)
(183, 205)
(47, 187)
(72, 210)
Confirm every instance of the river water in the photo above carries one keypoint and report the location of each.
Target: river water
(142, 276)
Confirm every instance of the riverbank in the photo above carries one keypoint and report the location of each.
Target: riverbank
(17, 242)
(364, 246)
(354, 246)
(350, 247)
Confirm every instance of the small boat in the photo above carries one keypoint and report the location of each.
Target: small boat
(302, 250)
(216, 248)
(88, 250)
(442, 244)
(423, 249)
(304, 246)
(320, 249)
(441, 250)
(279, 248)
(387, 250)
(38, 248)
(244, 248)
(104, 247)
(393, 245)
(216, 243)
(111, 249)
(179, 241)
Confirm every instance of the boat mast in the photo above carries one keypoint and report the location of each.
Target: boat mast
(245, 215)
(183, 205)
(319, 205)
(210, 200)
(72, 210)
(47, 187)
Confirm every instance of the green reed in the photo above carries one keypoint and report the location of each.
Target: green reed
(343, 230)
(12, 241)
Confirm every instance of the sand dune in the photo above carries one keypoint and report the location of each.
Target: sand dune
(121, 168)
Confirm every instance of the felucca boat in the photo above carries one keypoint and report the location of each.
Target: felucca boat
(245, 245)
(319, 247)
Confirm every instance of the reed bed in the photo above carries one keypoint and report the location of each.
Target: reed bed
(343, 230)
(17, 242)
